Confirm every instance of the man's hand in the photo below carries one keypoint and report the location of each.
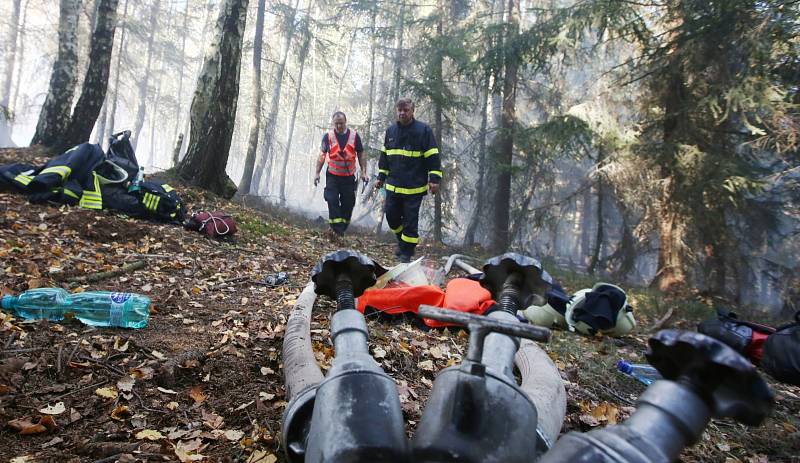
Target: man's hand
(316, 180)
(364, 177)
(433, 187)
(378, 184)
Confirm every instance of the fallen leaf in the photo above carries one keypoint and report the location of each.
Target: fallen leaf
(172, 405)
(27, 425)
(107, 392)
(27, 459)
(126, 383)
(426, 365)
(121, 348)
(197, 395)
(149, 434)
(436, 352)
(233, 435)
(260, 456)
(589, 420)
(266, 396)
(187, 451)
(166, 391)
(56, 409)
(379, 353)
(142, 373)
(121, 413)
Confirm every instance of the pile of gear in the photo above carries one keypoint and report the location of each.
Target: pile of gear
(603, 309)
(85, 176)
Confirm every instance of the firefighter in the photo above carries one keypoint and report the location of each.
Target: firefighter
(341, 147)
(409, 166)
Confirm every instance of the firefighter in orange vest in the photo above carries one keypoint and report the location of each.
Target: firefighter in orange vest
(341, 147)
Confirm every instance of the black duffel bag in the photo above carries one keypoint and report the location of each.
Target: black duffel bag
(782, 353)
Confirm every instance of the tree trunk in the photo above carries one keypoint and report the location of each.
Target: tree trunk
(600, 237)
(255, 115)
(181, 65)
(438, 235)
(586, 225)
(121, 51)
(302, 58)
(54, 117)
(398, 56)
(373, 47)
(345, 70)
(480, 189)
(14, 103)
(210, 5)
(262, 172)
(95, 84)
(670, 272)
(505, 142)
(10, 55)
(213, 111)
(154, 112)
(522, 212)
(99, 133)
(145, 82)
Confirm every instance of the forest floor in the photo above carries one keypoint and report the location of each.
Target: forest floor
(203, 381)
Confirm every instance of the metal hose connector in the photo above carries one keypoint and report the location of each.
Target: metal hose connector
(510, 295)
(345, 299)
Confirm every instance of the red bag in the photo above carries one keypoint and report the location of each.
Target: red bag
(216, 224)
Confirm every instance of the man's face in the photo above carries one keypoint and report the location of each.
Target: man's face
(340, 123)
(405, 114)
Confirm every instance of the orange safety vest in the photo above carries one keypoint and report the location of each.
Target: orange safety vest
(342, 162)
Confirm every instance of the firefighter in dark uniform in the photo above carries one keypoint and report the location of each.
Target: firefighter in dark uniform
(409, 166)
(341, 147)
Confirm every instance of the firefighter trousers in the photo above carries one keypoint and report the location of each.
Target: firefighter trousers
(402, 216)
(340, 194)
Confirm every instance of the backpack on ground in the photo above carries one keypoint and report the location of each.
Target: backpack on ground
(160, 202)
(216, 224)
(782, 353)
(745, 337)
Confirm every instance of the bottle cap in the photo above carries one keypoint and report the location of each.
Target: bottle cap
(624, 367)
(7, 301)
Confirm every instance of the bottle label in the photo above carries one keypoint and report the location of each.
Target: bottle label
(115, 314)
(117, 306)
(120, 298)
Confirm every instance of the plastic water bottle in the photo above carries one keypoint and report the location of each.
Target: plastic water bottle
(95, 308)
(641, 371)
(136, 183)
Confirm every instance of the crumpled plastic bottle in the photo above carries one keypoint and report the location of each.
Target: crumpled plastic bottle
(276, 279)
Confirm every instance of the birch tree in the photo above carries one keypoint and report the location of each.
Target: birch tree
(54, 117)
(213, 111)
(255, 114)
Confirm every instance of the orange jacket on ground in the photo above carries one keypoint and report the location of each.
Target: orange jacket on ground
(462, 294)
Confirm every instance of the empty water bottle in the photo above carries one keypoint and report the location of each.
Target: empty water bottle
(276, 279)
(641, 371)
(95, 308)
